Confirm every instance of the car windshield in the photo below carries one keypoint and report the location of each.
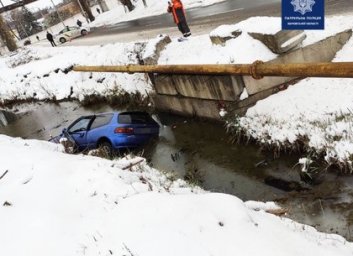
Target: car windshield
(67, 29)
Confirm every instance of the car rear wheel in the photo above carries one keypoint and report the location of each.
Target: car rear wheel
(105, 149)
(62, 40)
(84, 32)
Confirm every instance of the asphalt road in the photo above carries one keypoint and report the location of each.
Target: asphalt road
(201, 20)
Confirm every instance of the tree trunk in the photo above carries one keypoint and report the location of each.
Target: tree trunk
(128, 4)
(86, 8)
(6, 36)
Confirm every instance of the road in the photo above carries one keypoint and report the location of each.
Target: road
(201, 20)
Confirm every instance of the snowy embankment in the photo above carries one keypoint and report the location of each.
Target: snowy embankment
(53, 203)
(154, 7)
(44, 73)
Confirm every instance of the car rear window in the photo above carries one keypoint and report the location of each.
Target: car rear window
(101, 120)
(135, 118)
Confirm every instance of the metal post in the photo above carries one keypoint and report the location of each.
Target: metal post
(58, 13)
(23, 28)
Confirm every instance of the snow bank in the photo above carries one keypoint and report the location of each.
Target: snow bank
(316, 111)
(154, 7)
(200, 50)
(269, 25)
(38, 73)
(58, 204)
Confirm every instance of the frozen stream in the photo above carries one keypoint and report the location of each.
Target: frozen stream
(201, 152)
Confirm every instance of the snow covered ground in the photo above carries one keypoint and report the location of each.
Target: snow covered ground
(154, 7)
(37, 73)
(53, 203)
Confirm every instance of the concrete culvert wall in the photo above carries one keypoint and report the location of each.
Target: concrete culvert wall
(197, 86)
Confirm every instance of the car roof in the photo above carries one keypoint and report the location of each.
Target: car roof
(116, 113)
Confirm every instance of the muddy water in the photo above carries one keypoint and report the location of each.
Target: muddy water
(201, 153)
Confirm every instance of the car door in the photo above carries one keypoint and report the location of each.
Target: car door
(99, 129)
(78, 131)
(75, 31)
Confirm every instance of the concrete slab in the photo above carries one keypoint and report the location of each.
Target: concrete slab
(281, 42)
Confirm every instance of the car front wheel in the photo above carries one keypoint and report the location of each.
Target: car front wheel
(62, 40)
(84, 32)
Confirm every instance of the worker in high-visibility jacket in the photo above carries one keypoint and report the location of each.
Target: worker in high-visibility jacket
(177, 9)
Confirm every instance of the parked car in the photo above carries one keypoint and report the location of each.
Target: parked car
(112, 131)
(69, 33)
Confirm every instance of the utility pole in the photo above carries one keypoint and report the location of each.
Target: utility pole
(144, 3)
(58, 13)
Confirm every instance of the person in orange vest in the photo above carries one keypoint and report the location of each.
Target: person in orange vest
(177, 9)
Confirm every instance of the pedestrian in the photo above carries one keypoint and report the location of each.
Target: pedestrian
(51, 39)
(177, 9)
(98, 10)
(79, 23)
(37, 37)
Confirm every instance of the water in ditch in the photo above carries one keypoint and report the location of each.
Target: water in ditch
(201, 153)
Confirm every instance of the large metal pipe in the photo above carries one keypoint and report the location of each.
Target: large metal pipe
(257, 70)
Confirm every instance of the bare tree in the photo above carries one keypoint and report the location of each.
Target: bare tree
(86, 8)
(6, 36)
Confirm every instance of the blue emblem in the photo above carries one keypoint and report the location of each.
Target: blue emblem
(303, 6)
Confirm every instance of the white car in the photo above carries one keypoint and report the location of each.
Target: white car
(69, 33)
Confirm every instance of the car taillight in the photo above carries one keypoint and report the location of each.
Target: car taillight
(124, 130)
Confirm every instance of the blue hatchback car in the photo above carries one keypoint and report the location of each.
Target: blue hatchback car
(113, 131)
